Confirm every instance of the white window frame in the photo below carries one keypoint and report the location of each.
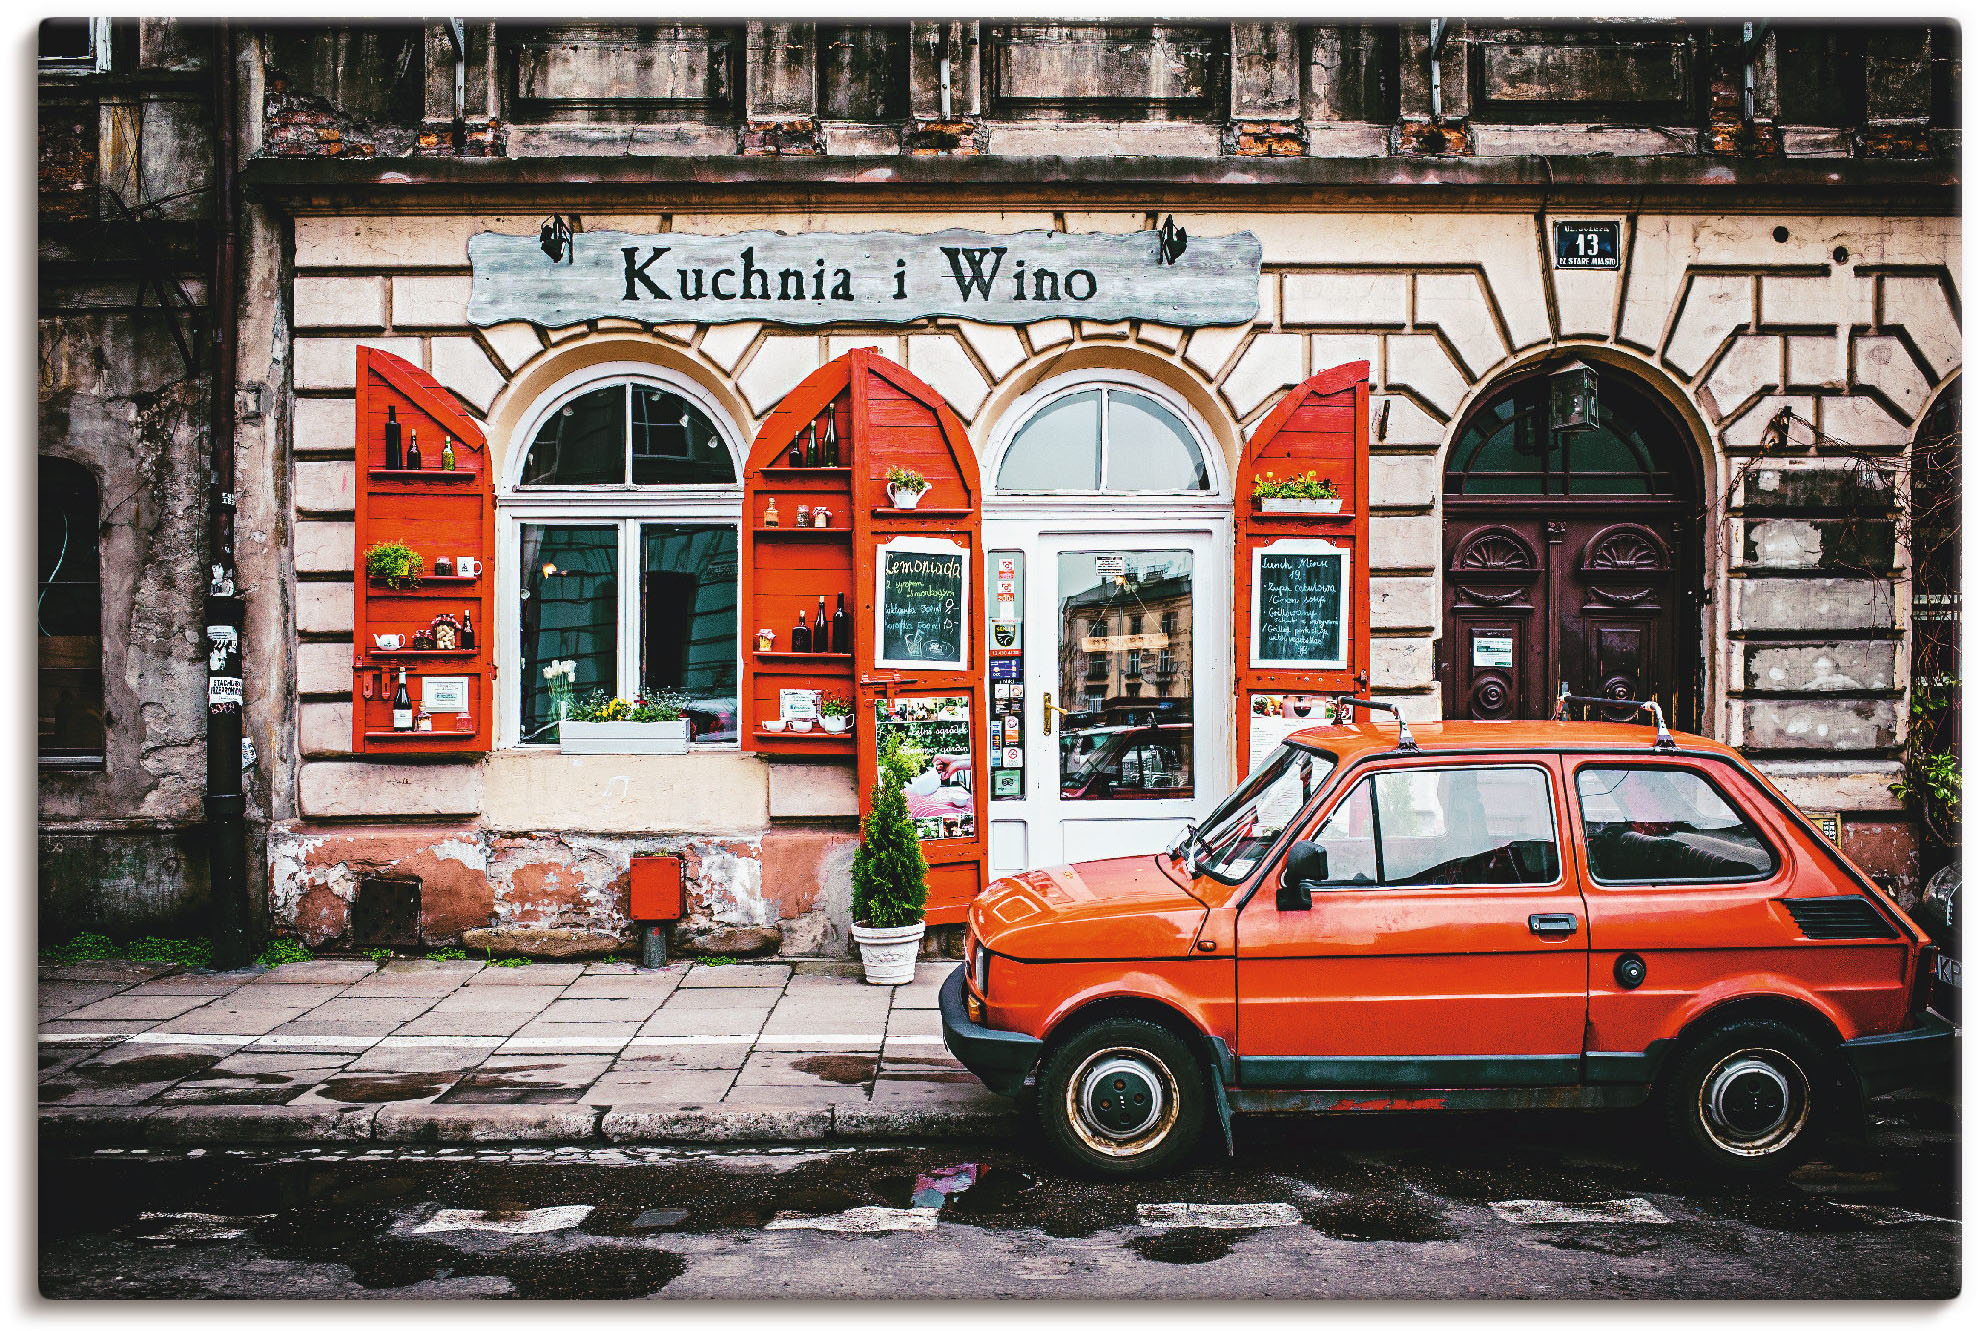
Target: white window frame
(1061, 386)
(96, 62)
(625, 506)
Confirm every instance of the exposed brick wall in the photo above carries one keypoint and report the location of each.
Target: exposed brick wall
(67, 166)
(961, 137)
(797, 137)
(1264, 138)
(1422, 138)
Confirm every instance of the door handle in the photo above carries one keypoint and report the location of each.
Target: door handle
(1049, 708)
(1553, 926)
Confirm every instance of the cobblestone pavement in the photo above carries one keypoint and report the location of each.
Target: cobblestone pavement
(436, 1050)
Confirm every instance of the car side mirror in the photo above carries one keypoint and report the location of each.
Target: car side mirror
(1304, 865)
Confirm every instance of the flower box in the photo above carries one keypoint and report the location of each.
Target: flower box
(623, 736)
(1300, 505)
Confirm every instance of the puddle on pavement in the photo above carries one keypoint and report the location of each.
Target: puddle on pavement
(1393, 1218)
(1188, 1247)
(145, 1067)
(840, 1069)
(383, 1087)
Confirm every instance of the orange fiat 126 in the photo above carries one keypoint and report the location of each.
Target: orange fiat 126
(1472, 915)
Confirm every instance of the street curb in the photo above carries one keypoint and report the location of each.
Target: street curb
(573, 1125)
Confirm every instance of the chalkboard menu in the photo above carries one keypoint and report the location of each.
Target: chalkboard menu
(923, 594)
(941, 800)
(1298, 592)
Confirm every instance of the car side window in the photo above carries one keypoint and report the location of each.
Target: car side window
(1348, 840)
(1465, 826)
(1666, 824)
(1416, 827)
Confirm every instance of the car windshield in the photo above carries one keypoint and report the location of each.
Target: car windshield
(1244, 828)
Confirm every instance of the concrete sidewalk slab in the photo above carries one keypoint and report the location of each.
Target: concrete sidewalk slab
(740, 976)
(542, 974)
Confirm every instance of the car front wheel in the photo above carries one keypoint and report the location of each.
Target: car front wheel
(1122, 1098)
(1751, 1097)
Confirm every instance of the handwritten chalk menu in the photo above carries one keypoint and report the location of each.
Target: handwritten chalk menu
(920, 608)
(1298, 606)
(941, 800)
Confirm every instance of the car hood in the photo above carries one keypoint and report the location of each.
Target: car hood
(1102, 908)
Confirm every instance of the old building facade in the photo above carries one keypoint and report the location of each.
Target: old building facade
(1748, 234)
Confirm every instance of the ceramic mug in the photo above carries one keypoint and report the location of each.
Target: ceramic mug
(388, 642)
(467, 566)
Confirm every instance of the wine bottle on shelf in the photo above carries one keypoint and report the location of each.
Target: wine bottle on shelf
(810, 444)
(830, 449)
(820, 634)
(796, 458)
(800, 635)
(401, 704)
(412, 451)
(447, 460)
(394, 454)
(841, 629)
(467, 632)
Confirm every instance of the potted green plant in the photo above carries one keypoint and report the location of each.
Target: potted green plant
(1299, 493)
(905, 486)
(836, 712)
(601, 723)
(889, 875)
(394, 563)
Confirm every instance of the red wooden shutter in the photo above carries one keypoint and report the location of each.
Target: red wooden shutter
(440, 514)
(1320, 426)
(883, 417)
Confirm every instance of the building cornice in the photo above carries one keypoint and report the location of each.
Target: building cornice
(1526, 183)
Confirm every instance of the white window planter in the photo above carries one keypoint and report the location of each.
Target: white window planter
(623, 736)
(1300, 505)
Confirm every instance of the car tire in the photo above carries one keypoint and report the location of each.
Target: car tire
(1752, 1097)
(1122, 1098)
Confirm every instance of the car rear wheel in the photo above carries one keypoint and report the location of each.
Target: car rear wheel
(1751, 1097)
(1122, 1098)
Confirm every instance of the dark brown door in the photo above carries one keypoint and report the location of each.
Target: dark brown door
(1569, 558)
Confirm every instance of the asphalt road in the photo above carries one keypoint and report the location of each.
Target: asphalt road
(1540, 1206)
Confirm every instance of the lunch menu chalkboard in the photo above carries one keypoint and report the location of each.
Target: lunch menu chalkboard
(1298, 604)
(923, 596)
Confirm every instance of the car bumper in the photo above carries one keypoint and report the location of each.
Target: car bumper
(1890, 1062)
(1002, 1059)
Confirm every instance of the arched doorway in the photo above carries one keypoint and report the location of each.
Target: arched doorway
(1570, 554)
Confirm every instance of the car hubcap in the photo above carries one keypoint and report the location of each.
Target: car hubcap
(1122, 1101)
(1754, 1101)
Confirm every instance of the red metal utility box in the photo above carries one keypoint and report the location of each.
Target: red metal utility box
(656, 891)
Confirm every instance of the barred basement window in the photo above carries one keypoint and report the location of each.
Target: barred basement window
(74, 46)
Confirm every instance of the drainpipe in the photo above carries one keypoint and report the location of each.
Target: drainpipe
(226, 807)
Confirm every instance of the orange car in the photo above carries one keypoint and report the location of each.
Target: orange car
(1477, 915)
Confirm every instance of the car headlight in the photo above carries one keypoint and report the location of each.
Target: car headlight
(981, 970)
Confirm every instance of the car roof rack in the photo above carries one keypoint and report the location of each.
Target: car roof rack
(1405, 740)
(1663, 739)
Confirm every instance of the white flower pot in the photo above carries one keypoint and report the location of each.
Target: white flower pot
(903, 497)
(623, 736)
(890, 955)
(1300, 505)
(836, 725)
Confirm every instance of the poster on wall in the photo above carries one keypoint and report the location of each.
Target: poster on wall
(921, 606)
(1298, 606)
(1274, 717)
(941, 800)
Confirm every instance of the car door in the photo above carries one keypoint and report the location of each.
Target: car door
(1445, 945)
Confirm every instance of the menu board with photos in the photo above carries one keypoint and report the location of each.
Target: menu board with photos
(921, 604)
(1298, 608)
(941, 800)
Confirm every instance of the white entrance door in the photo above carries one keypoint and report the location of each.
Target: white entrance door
(1125, 688)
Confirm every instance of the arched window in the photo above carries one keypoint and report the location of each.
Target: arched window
(69, 617)
(624, 513)
(1103, 438)
(1508, 446)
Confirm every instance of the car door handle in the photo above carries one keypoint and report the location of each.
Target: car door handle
(1553, 926)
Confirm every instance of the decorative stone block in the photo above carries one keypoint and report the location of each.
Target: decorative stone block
(1846, 666)
(429, 301)
(461, 365)
(1840, 725)
(324, 424)
(778, 365)
(340, 302)
(324, 547)
(1271, 363)
(1346, 300)
(1811, 605)
(948, 371)
(331, 362)
(324, 607)
(363, 789)
(1404, 543)
(1401, 663)
(325, 487)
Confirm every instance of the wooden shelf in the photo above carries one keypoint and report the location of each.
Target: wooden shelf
(807, 737)
(422, 474)
(884, 512)
(1258, 514)
(422, 651)
(804, 533)
(450, 584)
(799, 473)
(804, 658)
(421, 734)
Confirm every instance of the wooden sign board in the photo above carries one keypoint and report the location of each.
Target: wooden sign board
(1299, 612)
(867, 277)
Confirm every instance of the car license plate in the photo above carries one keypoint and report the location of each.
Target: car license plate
(1950, 971)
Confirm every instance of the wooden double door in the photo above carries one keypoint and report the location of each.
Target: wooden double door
(1597, 593)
